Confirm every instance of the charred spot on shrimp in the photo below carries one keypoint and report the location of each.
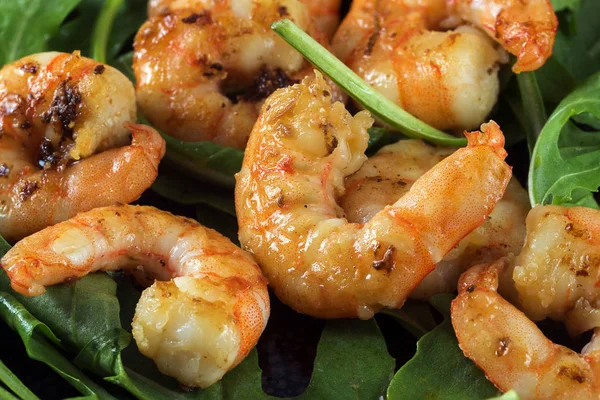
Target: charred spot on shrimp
(267, 81)
(283, 12)
(28, 189)
(388, 261)
(4, 170)
(503, 346)
(65, 107)
(202, 19)
(573, 373)
(30, 67)
(99, 69)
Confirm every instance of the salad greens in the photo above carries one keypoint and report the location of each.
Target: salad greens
(82, 329)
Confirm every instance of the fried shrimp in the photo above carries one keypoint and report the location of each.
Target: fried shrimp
(199, 320)
(223, 61)
(389, 175)
(510, 348)
(556, 274)
(299, 153)
(448, 79)
(55, 110)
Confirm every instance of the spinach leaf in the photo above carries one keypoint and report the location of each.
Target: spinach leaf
(439, 370)
(560, 5)
(565, 166)
(352, 362)
(26, 26)
(14, 383)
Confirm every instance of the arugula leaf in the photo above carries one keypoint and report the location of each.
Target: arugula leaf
(439, 370)
(27, 25)
(414, 316)
(381, 107)
(14, 383)
(35, 336)
(510, 395)
(352, 362)
(565, 160)
(102, 29)
(560, 5)
(533, 107)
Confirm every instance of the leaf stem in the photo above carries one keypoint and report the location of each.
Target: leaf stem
(533, 107)
(14, 383)
(359, 90)
(103, 28)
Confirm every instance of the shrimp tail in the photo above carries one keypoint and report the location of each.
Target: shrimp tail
(491, 136)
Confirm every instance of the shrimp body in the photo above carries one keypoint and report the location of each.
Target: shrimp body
(223, 61)
(299, 153)
(510, 348)
(198, 322)
(389, 175)
(447, 79)
(58, 112)
(557, 273)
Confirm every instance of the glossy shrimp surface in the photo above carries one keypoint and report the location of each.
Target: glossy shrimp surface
(203, 316)
(557, 273)
(300, 151)
(388, 175)
(61, 117)
(449, 78)
(223, 61)
(510, 348)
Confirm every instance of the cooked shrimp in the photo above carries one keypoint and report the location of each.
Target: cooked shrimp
(447, 79)
(203, 316)
(511, 350)
(223, 61)
(558, 271)
(298, 155)
(56, 108)
(389, 175)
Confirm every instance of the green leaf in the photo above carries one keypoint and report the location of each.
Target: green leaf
(560, 5)
(576, 52)
(414, 316)
(352, 362)
(510, 395)
(14, 383)
(533, 107)
(566, 159)
(184, 190)
(26, 26)
(384, 109)
(439, 370)
(35, 336)
(81, 32)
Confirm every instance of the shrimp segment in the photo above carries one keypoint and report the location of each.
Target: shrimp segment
(448, 79)
(61, 117)
(198, 323)
(298, 155)
(223, 61)
(557, 273)
(389, 175)
(511, 350)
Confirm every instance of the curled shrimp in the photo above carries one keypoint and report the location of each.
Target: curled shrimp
(297, 158)
(447, 79)
(510, 348)
(223, 61)
(556, 274)
(197, 322)
(389, 175)
(55, 109)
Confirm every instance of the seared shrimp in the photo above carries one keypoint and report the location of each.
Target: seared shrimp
(447, 79)
(389, 175)
(223, 61)
(557, 273)
(55, 109)
(299, 153)
(199, 320)
(511, 350)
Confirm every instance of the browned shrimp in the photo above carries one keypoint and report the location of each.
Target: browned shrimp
(200, 321)
(446, 78)
(298, 155)
(56, 109)
(223, 61)
(510, 348)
